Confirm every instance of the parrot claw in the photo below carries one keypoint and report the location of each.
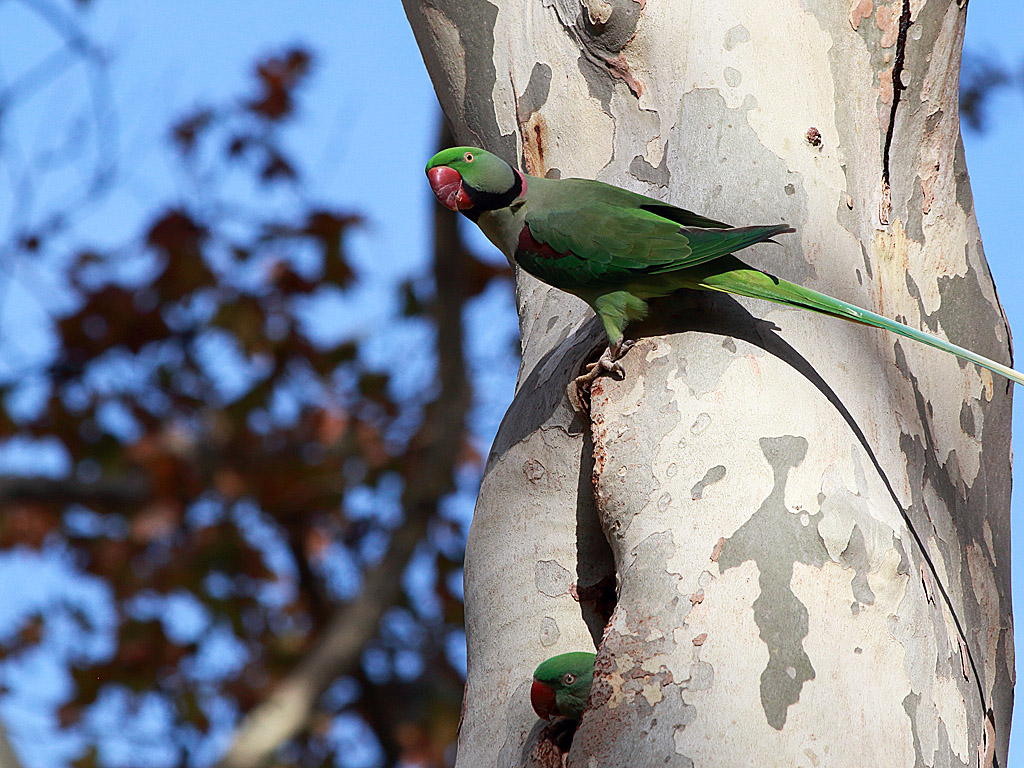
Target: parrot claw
(607, 363)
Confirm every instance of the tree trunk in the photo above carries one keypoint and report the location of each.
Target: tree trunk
(808, 520)
(8, 757)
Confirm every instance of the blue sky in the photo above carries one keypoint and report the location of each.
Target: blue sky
(369, 123)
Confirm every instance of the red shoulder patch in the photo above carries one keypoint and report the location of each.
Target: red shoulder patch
(527, 244)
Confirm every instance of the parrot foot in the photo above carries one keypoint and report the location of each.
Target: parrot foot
(607, 363)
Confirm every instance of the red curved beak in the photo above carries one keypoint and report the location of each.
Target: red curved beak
(542, 696)
(447, 185)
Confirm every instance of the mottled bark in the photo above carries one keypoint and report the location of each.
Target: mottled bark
(808, 520)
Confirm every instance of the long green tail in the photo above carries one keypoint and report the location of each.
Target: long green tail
(730, 275)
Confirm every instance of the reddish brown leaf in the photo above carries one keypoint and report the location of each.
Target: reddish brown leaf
(155, 521)
(329, 228)
(28, 524)
(277, 168)
(180, 238)
(278, 76)
(230, 484)
(69, 714)
(331, 426)
(317, 542)
(31, 631)
(186, 132)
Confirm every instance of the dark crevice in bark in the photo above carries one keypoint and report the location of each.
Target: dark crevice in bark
(595, 569)
(898, 87)
(552, 745)
(596, 588)
(897, 91)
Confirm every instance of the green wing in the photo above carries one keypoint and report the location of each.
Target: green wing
(681, 215)
(600, 237)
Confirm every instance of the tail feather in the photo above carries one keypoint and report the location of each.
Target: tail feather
(737, 278)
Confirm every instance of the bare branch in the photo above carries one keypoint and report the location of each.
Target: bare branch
(77, 49)
(124, 491)
(8, 758)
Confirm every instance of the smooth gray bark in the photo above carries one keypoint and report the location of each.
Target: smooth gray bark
(808, 520)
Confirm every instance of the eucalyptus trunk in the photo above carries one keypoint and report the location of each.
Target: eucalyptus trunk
(787, 535)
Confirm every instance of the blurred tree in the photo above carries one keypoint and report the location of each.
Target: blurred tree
(247, 496)
(263, 513)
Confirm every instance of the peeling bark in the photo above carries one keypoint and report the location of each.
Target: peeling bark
(807, 521)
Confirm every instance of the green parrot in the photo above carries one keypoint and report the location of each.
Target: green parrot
(561, 685)
(616, 249)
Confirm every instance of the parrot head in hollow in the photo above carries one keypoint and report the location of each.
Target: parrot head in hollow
(561, 685)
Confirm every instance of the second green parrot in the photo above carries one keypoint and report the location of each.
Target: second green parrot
(616, 249)
(561, 685)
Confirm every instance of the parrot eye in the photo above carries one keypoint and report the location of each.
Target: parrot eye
(569, 678)
(468, 157)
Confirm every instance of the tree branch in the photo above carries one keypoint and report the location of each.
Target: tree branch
(8, 757)
(109, 491)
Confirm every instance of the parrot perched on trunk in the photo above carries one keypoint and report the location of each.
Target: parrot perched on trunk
(616, 249)
(561, 685)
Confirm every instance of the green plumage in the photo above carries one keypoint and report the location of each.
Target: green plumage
(616, 249)
(570, 676)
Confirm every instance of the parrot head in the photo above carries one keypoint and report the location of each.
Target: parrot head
(471, 179)
(561, 685)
